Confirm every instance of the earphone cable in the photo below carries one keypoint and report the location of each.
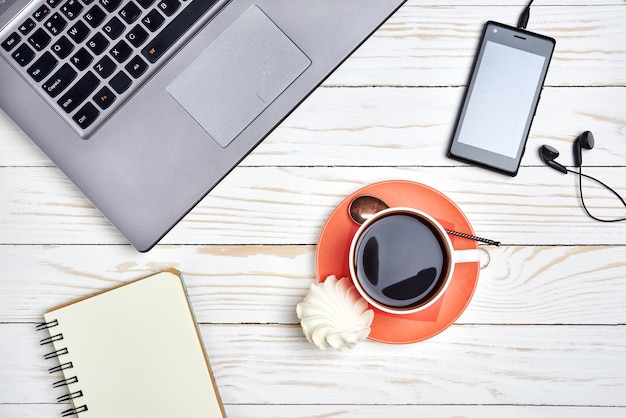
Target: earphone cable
(582, 198)
(523, 19)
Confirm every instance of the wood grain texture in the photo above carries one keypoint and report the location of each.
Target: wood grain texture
(434, 45)
(473, 364)
(535, 285)
(358, 411)
(289, 205)
(386, 126)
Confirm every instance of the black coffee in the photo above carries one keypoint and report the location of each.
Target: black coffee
(399, 261)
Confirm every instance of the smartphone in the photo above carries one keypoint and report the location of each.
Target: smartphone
(501, 99)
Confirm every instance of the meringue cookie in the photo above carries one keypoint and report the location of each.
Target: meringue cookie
(333, 314)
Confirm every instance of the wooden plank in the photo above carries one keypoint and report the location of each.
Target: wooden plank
(413, 126)
(358, 411)
(431, 411)
(499, 365)
(289, 205)
(401, 126)
(423, 45)
(24, 375)
(21, 410)
(468, 364)
(263, 284)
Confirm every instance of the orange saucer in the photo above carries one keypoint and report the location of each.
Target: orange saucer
(334, 244)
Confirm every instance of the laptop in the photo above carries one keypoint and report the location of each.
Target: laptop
(146, 105)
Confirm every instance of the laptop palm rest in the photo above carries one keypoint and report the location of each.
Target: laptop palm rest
(242, 72)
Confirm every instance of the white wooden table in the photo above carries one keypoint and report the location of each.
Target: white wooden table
(545, 333)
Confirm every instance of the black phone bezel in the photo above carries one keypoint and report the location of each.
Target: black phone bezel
(515, 38)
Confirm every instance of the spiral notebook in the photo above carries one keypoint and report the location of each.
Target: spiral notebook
(132, 351)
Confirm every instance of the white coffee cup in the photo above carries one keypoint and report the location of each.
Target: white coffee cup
(402, 260)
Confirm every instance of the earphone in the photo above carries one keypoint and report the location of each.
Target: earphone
(586, 141)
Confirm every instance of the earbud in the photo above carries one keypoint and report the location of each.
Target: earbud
(584, 140)
(548, 154)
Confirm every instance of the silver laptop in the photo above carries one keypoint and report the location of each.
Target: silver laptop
(147, 104)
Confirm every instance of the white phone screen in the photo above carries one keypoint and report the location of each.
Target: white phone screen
(501, 99)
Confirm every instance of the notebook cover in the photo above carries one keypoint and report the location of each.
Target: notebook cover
(136, 351)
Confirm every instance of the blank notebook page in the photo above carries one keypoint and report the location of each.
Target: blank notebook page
(136, 352)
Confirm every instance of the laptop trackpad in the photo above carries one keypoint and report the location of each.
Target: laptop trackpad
(247, 67)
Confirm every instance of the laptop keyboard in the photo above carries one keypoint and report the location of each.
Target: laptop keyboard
(87, 57)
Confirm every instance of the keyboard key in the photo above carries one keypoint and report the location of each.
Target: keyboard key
(27, 26)
(121, 51)
(63, 47)
(98, 43)
(136, 67)
(89, 55)
(81, 59)
(79, 92)
(120, 82)
(23, 55)
(105, 67)
(113, 28)
(11, 42)
(43, 66)
(153, 20)
(55, 24)
(110, 5)
(169, 7)
(145, 3)
(39, 39)
(41, 13)
(137, 36)
(71, 9)
(60, 80)
(104, 98)
(94, 16)
(162, 42)
(130, 12)
(86, 116)
(78, 32)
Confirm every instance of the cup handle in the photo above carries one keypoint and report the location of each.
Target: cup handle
(467, 256)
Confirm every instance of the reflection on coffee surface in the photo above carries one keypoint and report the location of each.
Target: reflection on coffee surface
(399, 261)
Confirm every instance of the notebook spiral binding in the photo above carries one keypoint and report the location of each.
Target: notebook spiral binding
(62, 366)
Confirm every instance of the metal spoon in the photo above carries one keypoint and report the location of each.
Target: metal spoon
(365, 206)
